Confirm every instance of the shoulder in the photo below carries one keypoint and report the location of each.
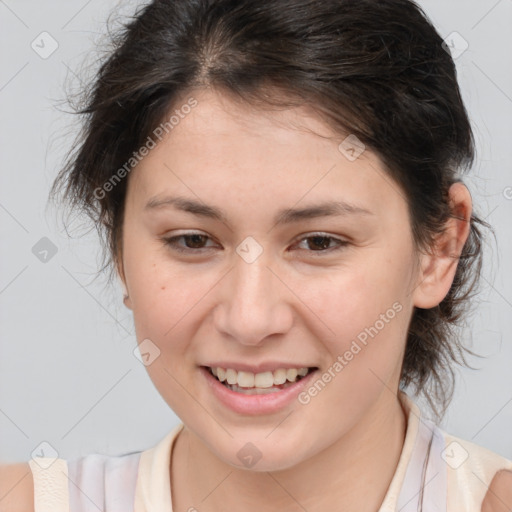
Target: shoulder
(499, 496)
(16, 488)
(464, 455)
(478, 475)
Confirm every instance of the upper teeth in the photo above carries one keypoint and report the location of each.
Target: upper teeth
(258, 380)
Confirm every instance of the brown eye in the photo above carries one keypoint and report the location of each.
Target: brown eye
(194, 242)
(321, 243)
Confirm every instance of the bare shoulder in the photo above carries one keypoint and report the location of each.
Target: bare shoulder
(499, 495)
(16, 488)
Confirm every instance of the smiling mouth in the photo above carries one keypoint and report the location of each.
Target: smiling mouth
(260, 383)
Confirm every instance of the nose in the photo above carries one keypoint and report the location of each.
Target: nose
(254, 303)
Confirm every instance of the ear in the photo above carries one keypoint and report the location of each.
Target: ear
(437, 269)
(120, 272)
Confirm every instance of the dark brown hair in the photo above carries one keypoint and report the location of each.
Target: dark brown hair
(377, 70)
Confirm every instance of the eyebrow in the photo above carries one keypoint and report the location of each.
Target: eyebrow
(284, 216)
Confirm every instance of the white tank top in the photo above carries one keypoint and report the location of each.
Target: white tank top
(104, 481)
(436, 472)
(109, 482)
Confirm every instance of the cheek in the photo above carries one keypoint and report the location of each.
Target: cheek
(166, 303)
(160, 291)
(163, 296)
(365, 309)
(166, 311)
(369, 318)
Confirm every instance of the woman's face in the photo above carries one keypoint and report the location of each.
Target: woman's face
(271, 278)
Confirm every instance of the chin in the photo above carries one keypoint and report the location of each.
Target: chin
(272, 463)
(262, 455)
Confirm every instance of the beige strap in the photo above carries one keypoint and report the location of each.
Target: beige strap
(51, 493)
(471, 468)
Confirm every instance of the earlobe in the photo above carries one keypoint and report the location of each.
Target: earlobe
(122, 280)
(438, 267)
(126, 296)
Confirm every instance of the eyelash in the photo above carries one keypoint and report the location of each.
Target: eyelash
(172, 243)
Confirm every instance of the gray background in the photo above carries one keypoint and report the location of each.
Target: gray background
(68, 375)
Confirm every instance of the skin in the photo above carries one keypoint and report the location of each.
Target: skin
(293, 304)
(344, 445)
(499, 495)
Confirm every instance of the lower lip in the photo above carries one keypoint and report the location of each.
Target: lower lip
(256, 404)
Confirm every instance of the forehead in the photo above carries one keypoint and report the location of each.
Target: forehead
(215, 108)
(232, 152)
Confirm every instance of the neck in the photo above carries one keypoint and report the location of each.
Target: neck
(356, 471)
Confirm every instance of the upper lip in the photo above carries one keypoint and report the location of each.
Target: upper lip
(267, 366)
